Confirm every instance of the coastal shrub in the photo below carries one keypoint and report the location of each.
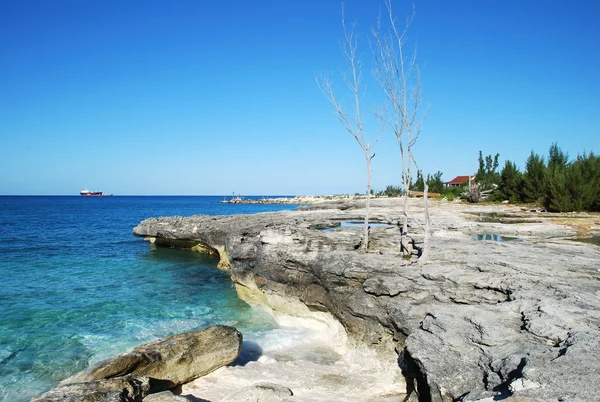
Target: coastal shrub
(449, 196)
(559, 184)
(455, 191)
(434, 183)
(534, 179)
(511, 182)
(577, 186)
(584, 178)
(390, 191)
(557, 197)
(487, 177)
(419, 184)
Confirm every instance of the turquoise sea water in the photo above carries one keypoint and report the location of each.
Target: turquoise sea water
(77, 287)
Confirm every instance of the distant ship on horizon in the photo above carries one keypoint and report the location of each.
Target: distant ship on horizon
(87, 193)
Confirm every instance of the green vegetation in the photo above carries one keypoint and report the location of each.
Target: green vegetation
(486, 176)
(560, 185)
(434, 182)
(390, 191)
(534, 179)
(511, 183)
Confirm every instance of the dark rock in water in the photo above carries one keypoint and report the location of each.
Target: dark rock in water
(152, 367)
(261, 392)
(479, 320)
(121, 389)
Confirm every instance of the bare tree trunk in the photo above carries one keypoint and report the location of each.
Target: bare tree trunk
(366, 235)
(352, 120)
(405, 184)
(399, 77)
(427, 226)
(425, 250)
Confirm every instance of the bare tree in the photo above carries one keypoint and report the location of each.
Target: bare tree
(351, 118)
(399, 77)
(427, 225)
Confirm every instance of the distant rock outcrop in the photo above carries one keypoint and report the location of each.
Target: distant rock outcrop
(480, 319)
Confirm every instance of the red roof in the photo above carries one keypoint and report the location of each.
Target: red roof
(460, 180)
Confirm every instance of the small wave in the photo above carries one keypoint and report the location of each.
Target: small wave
(299, 359)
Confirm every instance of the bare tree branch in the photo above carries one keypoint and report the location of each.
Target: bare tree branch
(352, 120)
(399, 77)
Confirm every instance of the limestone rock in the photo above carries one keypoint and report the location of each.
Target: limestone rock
(171, 361)
(165, 396)
(260, 392)
(121, 389)
(386, 285)
(479, 319)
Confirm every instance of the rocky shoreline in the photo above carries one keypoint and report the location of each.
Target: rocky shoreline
(296, 200)
(481, 320)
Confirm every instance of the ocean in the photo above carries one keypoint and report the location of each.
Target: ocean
(77, 287)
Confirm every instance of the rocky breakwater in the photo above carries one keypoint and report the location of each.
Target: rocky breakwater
(151, 369)
(480, 320)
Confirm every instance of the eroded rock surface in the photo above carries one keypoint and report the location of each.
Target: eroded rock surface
(152, 367)
(480, 319)
(165, 396)
(121, 389)
(174, 360)
(261, 392)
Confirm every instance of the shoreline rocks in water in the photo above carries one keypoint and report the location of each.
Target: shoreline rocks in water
(482, 319)
(150, 368)
(298, 199)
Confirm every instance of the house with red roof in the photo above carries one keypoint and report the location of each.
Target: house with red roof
(459, 181)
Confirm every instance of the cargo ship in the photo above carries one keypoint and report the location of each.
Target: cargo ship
(87, 193)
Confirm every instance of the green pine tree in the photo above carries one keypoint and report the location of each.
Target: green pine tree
(487, 177)
(435, 183)
(559, 187)
(511, 182)
(419, 184)
(584, 182)
(534, 179)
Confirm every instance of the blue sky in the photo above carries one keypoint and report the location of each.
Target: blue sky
(215, 97)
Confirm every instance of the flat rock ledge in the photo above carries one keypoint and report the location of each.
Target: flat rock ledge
(481, 320)
(260, 392)
(151, 368)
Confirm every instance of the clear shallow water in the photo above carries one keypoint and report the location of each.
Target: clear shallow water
(592, 240)
(77, 287)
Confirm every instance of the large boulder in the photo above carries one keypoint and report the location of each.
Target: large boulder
(151, 368)
(174, 360)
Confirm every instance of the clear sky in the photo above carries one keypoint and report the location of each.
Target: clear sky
(214, 97)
